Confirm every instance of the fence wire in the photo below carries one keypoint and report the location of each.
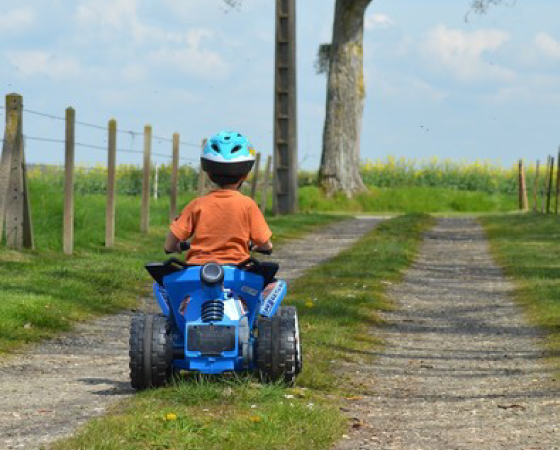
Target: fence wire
(99, 147)
(104, 128)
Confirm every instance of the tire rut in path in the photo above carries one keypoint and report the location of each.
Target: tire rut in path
(461, 368)
(52, 388)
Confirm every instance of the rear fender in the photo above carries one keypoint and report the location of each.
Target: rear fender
(162, 299)
(271, 298)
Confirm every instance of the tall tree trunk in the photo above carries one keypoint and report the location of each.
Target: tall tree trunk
(340, 161)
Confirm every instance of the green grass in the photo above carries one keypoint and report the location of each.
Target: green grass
(408, 199)
(528, 247)
(338, 303)
(45, 291)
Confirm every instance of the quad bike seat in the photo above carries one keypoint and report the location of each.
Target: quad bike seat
(158, 270)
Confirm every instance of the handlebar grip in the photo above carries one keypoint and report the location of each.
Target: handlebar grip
(184, 245)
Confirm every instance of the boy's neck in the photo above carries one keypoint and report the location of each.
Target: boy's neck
(231, 187)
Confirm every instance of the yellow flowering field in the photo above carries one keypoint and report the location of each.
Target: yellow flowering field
(486, 176)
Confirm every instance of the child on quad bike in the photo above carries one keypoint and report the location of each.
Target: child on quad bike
(224, 223)
(221, 309)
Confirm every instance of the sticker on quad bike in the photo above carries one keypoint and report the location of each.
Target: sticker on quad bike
(271, 297)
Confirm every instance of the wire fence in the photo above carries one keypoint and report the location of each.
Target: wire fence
(156, 139)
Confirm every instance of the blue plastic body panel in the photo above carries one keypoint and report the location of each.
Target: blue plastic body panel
(181, 300)
(161, 296)
(272, 300)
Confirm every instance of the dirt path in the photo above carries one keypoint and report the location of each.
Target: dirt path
(462, 369)
(50, 390)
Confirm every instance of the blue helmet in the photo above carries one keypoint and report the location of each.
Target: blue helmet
(228, 153)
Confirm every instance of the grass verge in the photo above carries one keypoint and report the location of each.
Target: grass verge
(45, 291)
(338, 303)
(528, 248)
(408, 199)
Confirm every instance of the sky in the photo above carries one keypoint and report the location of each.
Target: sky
(438, 83)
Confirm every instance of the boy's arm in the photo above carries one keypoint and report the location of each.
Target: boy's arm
(260, 232)
(267, 246)
(172, 244)
(181, 229)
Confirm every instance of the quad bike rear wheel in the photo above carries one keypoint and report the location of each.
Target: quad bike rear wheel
(151, 351)
(289, 313)
(276, 350)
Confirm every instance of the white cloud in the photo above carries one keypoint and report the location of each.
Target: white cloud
(462, 53)
(133, 73)
(547, 45)
(16, 20)
(378, 21)
(404, 86)
(189, 57)
(35, 62)
(116, 15)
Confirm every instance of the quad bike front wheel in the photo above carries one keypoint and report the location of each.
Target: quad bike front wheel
(151, 351)
(276, 350)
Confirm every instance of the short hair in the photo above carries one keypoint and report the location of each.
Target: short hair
(223, 180)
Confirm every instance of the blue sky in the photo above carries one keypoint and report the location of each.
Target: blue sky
(437, 85)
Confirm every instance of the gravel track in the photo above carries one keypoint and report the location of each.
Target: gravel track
(462, 368)
(52, 388)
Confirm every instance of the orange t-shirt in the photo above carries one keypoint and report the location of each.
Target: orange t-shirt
(221, 224)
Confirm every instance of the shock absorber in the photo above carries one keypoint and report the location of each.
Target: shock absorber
(213, 310)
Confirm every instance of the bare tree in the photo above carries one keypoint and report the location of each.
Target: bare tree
(342, 60)
(340, 160)
(481, 6)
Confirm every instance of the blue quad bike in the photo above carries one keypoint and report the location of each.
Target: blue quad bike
(215, 319)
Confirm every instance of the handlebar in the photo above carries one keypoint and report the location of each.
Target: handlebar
(262, 252)
(186, 245)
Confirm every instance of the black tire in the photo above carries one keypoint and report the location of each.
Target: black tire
(151, 351)
(289, 313)
(276, 350)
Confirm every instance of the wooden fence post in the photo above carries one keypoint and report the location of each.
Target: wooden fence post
(174, 177)
(145, 218)
(557, 184)
(266, 182)
(545, 187)
(14, 200)
(202, 175)
(156, 180)
(536, 186)
(524, 179)
(523, 206)
(111, 185)
(255, 179)
(68, 224)
(550, 183)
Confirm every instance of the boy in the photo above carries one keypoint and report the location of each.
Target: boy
(223, 222)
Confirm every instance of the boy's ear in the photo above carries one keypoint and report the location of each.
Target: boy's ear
(244, 177)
